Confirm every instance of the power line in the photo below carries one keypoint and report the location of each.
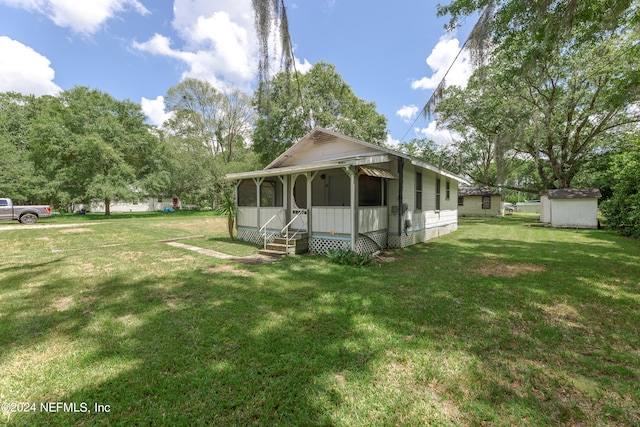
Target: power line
(482, 19)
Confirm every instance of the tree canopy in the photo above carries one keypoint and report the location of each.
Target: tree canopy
(555, 87)
(208, 136)
(328, 102)
(80, 146)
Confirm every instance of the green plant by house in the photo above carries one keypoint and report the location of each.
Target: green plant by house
(350, 257)
(227, 206)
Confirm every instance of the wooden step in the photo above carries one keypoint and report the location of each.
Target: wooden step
(268, 252)
(283, 249)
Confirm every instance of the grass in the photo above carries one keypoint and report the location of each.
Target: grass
(497, 323)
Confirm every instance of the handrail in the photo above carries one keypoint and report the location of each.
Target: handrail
(263, 230)
(285, 231)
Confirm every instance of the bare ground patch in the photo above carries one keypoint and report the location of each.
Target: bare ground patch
(76, 230)
(228, 268)
(63, 303)
(500, 269)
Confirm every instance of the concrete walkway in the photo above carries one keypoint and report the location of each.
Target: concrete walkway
(256, 259)
(37, 226)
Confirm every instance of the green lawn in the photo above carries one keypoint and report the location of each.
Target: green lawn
(498, 323)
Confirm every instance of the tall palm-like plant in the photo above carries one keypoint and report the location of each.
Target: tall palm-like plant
(227, 206)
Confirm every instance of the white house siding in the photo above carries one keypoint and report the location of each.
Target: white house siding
(545, 208)
(574, 213)
(472, 206)
(331, 220)
(426, 223)
(247, 217)
(248, 223)
(373, 219)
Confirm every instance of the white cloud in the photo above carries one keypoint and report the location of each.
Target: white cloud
(24, 70)
(440, 59)
(82, 16)
(407, 112)
(303, 67)
(217, 38)
(392, 143)
(441, 137)
(217, 42)
(155, 110)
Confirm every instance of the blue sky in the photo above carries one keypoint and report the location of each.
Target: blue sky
(137, 49)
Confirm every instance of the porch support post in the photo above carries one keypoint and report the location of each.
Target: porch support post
(258, 182)
(310, 177)
(354, 206)
(288, 203)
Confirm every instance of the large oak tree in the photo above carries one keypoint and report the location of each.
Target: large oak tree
(327, 101)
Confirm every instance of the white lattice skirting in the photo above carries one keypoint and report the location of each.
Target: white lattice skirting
(253, 236)
(372, 242)
(319, 245)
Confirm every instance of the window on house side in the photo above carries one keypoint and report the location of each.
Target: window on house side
(370, 191)
(486, 202)
(447, 191)
(418, 191)
(437, 194)
(460, 201)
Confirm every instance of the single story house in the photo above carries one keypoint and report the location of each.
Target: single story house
(476, 201)
(570, 207)
(144, 203)
(338, 192)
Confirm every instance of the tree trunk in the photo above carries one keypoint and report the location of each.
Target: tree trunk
(107, 206)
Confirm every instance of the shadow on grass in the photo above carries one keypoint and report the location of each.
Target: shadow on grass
(283, 344)
(91, 216)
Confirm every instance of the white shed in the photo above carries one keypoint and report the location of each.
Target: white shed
(571, 207)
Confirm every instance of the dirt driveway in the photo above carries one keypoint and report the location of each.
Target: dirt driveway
(24, 226)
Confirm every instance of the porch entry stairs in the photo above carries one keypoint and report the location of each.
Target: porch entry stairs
(288, 241)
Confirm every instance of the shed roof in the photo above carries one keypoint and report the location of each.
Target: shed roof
(476, 191)
(575, 193)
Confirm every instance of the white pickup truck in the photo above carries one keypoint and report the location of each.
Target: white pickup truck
(24, 214)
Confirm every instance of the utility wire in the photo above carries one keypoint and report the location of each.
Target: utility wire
(482, 18)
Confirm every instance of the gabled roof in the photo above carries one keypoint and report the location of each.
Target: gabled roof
(354, 152)
(575, 193)
(476, 191)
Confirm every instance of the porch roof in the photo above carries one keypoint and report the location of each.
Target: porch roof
(362, 161)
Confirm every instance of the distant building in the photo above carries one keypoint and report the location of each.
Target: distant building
(144, 203)
(570, 207)
(476, 201)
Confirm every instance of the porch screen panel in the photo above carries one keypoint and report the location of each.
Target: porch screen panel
(271, 193)
(247, 193)
(331, 188)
